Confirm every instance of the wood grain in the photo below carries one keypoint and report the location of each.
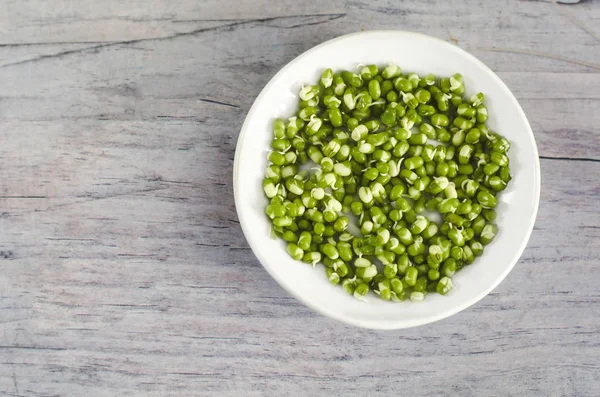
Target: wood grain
(123, 267)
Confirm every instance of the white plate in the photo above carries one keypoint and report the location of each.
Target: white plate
(422, 54)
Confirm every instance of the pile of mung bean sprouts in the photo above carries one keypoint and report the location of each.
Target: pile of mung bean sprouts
(387, 151)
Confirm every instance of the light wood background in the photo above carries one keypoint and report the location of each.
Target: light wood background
(123, 268)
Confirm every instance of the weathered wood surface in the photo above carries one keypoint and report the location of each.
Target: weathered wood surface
(123, 269)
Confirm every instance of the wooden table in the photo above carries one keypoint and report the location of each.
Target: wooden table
(123, 268)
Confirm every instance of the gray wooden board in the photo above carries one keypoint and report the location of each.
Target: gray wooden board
(123, 268)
